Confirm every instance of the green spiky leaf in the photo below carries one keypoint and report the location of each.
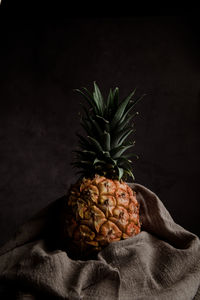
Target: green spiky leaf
(102, 118)
(95, 143)
(106, 137)
(118, 151)
(120, 111)
(90, 101)
(98, 98)
(98, 161)
(121, 137)
(120, 172)
(116, 96)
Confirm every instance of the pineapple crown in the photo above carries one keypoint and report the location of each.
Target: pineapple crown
(107, 123)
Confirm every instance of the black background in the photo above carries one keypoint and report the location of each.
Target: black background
(43, 60)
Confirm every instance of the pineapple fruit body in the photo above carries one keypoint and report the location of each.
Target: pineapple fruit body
(101, 211)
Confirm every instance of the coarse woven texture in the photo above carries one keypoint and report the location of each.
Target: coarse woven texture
(161, 262)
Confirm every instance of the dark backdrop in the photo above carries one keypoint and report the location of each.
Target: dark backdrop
(41, 62)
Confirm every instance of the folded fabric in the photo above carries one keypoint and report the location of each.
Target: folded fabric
(162, 262)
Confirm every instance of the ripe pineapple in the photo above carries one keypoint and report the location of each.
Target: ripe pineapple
(101, 207)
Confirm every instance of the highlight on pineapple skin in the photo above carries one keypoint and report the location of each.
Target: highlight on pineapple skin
(101, 211)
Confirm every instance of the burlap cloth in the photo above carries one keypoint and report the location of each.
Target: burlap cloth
(162, 262)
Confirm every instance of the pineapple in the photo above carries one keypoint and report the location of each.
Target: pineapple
(101, 206)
